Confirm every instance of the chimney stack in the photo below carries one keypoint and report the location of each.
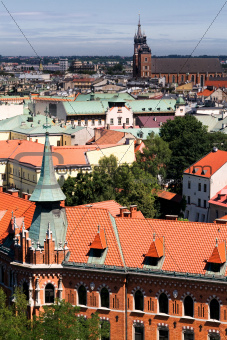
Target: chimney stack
(25, 195)
(122, 210)
(14, 192)
(133, 211)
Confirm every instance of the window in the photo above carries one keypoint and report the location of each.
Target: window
(92, 121)
(119, 121)
(188, 335)
(86, 122)
(197, 217)
(127, 121)
(203, 218)
(214, 337)
(163, 303)
(145, 59)
(205, 188)
(139, 333)
(204, 203)
(82, 296)
(79, 122)
(193, 78)
(188, 306)
(105, 299)
(163, 334)
(49, 293)
(199, 186)
(23, 174)
(145, 67)
(100, 121)
(58, 143)
(214, 310)
(145, 73)
(173, 79)
(182, 78)
(138, 300)
(111, 121)
(33, 178)
(189, 200)
(216, 212)
(25, 290)
(199, 202)
(189, 184)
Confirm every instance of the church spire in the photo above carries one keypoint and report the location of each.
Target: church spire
(47, 189)
(139, 33)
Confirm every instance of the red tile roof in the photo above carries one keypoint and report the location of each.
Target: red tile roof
(82, 228)
(19, 207)
(218, 254)
(220, 198)
(216, 83)
(170, 196)
(99, 241)
(112, 206)
(205, 93)
(208, 165)
(110, 137)
(156, 248)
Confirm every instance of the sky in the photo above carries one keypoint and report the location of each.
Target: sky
(104, 27)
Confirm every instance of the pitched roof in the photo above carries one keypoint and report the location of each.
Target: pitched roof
(205, 93)
(110, 137)
(220, 198)
(156, 248)
(99, 241)
(112, 206)
(19, 207)
(153, 122)
(152, 105)
(185, 65)
(208, 165)
(219, 253)
(170, 196)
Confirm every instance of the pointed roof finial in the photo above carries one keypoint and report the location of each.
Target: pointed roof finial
(139, 33)
(48, 231)
(139, 20)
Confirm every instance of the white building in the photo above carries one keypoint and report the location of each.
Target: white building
(119, 116)
(64, 65)
(203, 180)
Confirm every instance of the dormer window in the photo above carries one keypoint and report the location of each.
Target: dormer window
(98, 248)
(155, 254)
(216, 263)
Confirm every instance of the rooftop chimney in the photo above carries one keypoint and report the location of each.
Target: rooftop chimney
(171, 217)
(133, 211)
(122, 210)
(25, 195)
(14, 192)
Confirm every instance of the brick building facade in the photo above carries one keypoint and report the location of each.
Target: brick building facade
(150, 279)
(174, 70)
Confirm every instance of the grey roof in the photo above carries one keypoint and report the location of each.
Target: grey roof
(185, 65)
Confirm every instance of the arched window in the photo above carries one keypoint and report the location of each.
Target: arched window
(25, 290)
(105, 299)
(182, 78)
(82, 296)
(188, 306)
(138, 300)
(163, 303)
(193, 78)
(214, 309)
(49, 293)
(173, 79)
(202, 80)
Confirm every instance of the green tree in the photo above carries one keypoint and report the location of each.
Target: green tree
(188, 140)
(156, 155)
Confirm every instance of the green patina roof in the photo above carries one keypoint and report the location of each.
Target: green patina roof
(47, 189)
(152, 105)
(84, 107)
(180, 101)
(105, 96)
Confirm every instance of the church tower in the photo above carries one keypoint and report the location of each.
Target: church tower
(142, 55)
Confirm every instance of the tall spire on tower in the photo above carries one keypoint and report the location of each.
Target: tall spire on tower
(139, 33)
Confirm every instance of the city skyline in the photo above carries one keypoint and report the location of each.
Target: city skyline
(98, 29)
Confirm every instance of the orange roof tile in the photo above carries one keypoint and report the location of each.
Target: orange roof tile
(170, 196)
(112, 206)
(156, 248)
(220, 198)
(110, 137)
(19, 207)
(205, 93)
(82, 226)
(218, 255)
(209, 164)
(99, 241)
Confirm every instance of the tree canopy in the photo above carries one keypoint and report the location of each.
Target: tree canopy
(57, 321)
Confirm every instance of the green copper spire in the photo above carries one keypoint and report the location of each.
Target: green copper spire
(47, 189)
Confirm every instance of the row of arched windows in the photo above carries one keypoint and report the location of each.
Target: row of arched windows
(104, 297)
(163, 305)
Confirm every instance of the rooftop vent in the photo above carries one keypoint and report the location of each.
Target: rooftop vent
(215, 149)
